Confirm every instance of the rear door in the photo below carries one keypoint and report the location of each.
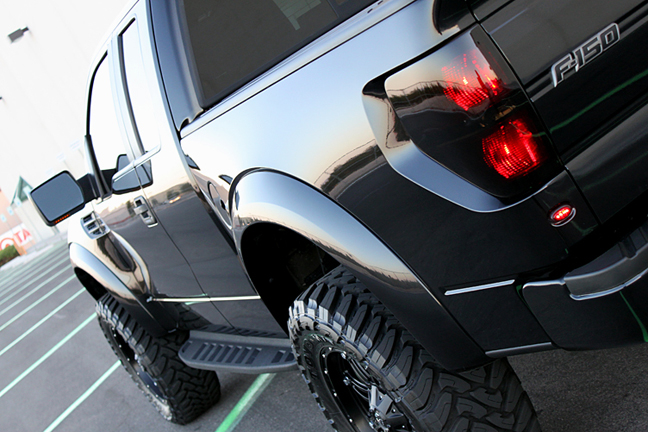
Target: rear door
(172, 195)
(585, 67)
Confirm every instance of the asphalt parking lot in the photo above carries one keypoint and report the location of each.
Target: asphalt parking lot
(58, 373)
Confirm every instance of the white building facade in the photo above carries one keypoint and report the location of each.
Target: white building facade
(44, 67)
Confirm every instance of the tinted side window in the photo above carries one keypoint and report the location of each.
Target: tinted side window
(139, 94)
(234, 40)
(104, 127)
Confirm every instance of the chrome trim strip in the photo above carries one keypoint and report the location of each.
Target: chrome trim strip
(505, 352)
(202, 299)
(479, 287)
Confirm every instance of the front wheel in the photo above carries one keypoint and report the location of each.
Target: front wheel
(178, 392)
(369, 374)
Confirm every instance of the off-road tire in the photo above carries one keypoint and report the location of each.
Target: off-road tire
(178, 392)
(346, 343)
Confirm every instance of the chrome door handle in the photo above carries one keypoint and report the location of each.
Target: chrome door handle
(142, 208)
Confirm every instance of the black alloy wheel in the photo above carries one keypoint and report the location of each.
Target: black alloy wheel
(361, 397)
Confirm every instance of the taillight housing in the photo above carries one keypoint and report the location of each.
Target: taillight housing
(463, 107)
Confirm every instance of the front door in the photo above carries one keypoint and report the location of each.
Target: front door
(124, 208)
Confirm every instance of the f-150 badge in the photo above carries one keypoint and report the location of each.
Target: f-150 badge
(584, 54)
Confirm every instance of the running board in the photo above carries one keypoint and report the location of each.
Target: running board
(236, 353)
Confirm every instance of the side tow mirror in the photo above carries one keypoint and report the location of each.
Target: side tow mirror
(61, 196)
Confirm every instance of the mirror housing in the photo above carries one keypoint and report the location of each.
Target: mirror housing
(62, 196)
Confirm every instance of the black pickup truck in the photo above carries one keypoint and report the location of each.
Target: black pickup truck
(393, 196)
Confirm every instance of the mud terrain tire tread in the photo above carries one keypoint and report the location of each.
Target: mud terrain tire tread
(339, 308)
(183, 393)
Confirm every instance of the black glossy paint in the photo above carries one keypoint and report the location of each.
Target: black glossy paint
(483, 8)
(191, 252)
(210, 264)
(452, 249)
(611, 321)
(622, 156)
(586, 113)
(586, 101)
(451, 13)
(497, 318)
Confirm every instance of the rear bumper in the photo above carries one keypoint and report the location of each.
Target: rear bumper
(601, 304)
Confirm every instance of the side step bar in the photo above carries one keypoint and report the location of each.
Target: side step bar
(235, 353)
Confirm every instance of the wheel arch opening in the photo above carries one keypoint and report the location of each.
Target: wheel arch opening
(281, 265)
(91, 285)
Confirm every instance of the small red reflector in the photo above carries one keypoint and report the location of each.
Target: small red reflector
(470, 80)
(562, 215)
(512, 150)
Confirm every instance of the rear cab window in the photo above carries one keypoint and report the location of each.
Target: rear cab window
(233, 41)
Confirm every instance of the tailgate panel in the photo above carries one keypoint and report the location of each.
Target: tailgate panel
(592, 115)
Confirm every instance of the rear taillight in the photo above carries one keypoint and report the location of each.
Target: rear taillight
(512, 150)
(463, 107)
(471, 80)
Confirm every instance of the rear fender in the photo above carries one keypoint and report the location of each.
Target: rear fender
(269, 197)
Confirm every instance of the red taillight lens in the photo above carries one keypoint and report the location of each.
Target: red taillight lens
(512, 150)
(470, 80)
(463, 107)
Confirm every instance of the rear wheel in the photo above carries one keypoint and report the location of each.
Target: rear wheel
(178, 392)
(369, 374)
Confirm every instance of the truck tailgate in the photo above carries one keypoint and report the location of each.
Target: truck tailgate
(585, 66)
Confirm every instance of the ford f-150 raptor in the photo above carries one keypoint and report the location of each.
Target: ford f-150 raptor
(392, 196)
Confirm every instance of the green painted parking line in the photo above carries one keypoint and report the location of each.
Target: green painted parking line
(18, 270)
(34, 304)
(47, 355)
(30, 266)
(244, 404)
(39, 323)
(26, 284)
(41, 285)
(82, 398)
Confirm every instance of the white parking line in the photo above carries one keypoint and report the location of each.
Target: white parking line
(2, 312)
(82, 398)
(47, 355)
(39, 323)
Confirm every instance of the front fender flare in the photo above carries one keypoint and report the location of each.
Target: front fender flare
(152, 316)
(269, 197)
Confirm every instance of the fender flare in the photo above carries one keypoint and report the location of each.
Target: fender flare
(264, 196)
(151, 315)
